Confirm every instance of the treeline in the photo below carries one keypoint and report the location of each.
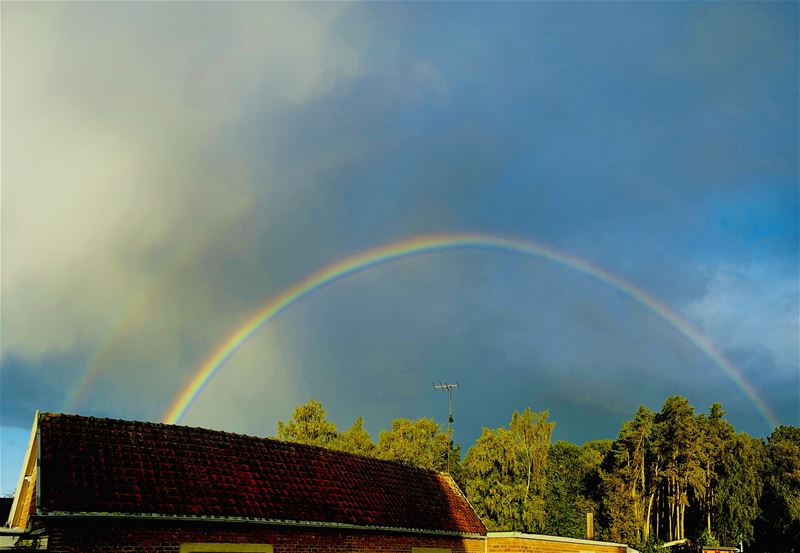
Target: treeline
(670, 476)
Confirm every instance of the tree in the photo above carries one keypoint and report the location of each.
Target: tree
(493, 471)
(572, 484)
(532, 436)
(627, 503)
(308, 425)
(506, 472)
(678, 447)
(564, 516)
(779, 526)
(717, 437)
(738, 489)
(355, 440)
(421, 443)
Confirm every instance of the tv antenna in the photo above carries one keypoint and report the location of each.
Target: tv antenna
(449, 387)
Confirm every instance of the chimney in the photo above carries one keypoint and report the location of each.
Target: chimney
(589, 526)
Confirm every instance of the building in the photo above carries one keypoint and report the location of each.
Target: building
(92, 485)
(518, 542)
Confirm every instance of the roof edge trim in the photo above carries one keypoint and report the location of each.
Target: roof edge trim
(458, 489)
(544, 537)
(244, 520)
(24, 472)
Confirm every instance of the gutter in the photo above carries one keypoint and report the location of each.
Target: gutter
(55, 515)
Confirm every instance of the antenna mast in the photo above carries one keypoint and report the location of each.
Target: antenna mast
(449, 388)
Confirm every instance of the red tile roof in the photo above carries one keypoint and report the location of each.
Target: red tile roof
(91, 465)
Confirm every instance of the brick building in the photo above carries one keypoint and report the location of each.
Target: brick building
(517, 542)
(93, 485)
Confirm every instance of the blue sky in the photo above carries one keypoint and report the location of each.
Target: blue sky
(167, 167)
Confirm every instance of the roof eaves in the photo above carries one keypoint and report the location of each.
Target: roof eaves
(249, 520)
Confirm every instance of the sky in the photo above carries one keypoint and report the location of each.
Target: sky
(168, 168)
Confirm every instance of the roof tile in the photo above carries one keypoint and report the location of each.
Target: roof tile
(114, 466)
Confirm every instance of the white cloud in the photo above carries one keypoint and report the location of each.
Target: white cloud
(747, 307)
(116, 177)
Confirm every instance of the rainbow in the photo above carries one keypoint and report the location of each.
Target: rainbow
(77, 392)
(436, 243)
(133, 312)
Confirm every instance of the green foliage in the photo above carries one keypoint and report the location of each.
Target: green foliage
(779, 528)
(678, 447)
(532, 437)
(308, 425)
(421, 443)
(706, 538)
(650, 546)
(506, 473)
(492, 468)
(624, 480)
(355, 440)
(666, 475)
(739, 489)
(572, 473)
(717, 438)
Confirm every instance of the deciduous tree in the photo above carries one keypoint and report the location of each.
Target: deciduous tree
(506, 472)
(420, 443)
(308, 425)
(779, 526)
(738, 489)
(355, 440)
(572, 487)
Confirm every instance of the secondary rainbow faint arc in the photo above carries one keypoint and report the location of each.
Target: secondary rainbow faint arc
(427, 244)
(128, 315)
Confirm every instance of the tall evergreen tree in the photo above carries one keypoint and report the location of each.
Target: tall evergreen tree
(680, 449)
(625, 480)
(717, 439)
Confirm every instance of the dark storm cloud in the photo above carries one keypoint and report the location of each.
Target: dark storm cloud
(26, 387)
(658, 141)
(576, 150)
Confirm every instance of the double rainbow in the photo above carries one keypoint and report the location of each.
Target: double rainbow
(434, 243)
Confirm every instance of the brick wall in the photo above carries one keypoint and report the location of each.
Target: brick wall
(106, 536)
(541, 544)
